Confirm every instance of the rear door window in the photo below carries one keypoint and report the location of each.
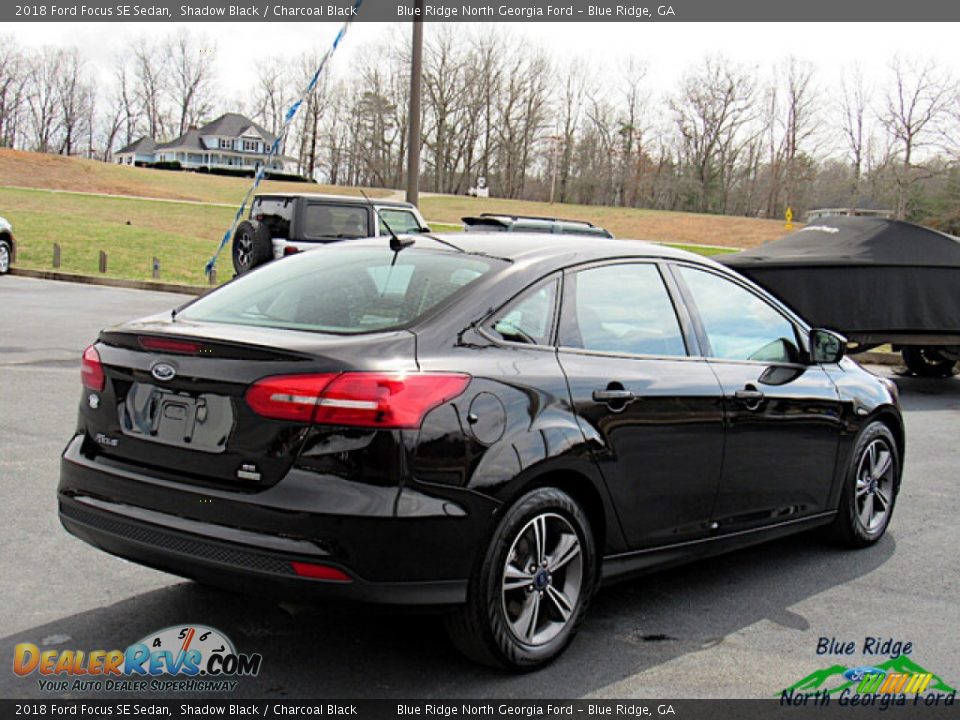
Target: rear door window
(335, 222)
(623, 309)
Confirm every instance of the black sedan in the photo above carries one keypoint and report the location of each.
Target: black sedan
(490, 424)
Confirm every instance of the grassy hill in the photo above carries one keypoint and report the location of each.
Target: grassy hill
(135, 214)
(56, 172)
(657, 225)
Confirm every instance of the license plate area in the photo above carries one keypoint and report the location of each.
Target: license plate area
(170, 417)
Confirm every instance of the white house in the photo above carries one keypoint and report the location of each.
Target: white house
(231, 142)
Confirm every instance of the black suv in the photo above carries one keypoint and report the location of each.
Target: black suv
(288, 223)
(496, 222)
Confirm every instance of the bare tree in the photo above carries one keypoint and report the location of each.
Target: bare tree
(711, 113)
(43, 109)
(190, 63)
(915, 106)
(76, 99)
(273, 93)
(521, 117)
(634, 99)
(569, 111)
(854, 117)
(13, 71)
(152, 86)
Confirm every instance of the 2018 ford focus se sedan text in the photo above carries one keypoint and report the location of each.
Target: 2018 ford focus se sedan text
(491, 424)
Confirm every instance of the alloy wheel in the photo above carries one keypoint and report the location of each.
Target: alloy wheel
(4, 259)
(542, 579)
(875, 485)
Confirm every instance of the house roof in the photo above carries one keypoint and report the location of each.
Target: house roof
(143, 145)
(234, 125)
(190, 140)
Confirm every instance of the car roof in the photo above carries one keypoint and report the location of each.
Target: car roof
(344, 199)
(543, 246)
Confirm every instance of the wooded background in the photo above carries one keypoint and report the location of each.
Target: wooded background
(727, 139)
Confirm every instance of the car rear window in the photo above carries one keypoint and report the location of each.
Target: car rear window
(342, 289)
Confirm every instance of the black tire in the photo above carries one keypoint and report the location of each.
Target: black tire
(927, 362)
(6, 257)
(252, 246)
(853, 526)
(483, 629)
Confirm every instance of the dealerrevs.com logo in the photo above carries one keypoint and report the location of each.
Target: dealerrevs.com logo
(897, 680)
(182, 658)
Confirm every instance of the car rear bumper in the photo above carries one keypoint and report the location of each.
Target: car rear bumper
(248, 542)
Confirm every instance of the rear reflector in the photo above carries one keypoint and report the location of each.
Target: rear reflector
(290, 250)
(184, 347)
(320, 572)
(358, 399)
(91, 370)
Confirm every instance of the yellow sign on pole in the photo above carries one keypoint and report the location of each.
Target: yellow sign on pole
(788, 215)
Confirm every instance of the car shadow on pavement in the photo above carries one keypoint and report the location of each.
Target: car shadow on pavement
(924, 394)
(337, 652)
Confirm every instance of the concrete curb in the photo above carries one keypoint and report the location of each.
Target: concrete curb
(109, 281)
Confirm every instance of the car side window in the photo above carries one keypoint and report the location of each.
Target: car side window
(402, 222)
(739, 324)
(623, 309)
(335, 221)
(529, 319)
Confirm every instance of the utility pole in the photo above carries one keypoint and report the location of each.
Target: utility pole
(416, 72)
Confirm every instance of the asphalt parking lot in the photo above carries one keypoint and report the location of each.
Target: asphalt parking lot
(744, 625)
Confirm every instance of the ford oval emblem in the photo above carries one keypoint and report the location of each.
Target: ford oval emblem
(163, 371)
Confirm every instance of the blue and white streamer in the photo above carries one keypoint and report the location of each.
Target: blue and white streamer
(275, 148)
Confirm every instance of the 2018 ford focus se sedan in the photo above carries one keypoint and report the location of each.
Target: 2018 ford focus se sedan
(492, 424)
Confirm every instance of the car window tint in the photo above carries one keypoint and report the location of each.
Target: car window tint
(738, 324)
(622, 309)
(342, 289)
(335, 221)
(530, 318)
(402, 222)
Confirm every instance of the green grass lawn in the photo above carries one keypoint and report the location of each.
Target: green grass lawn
(132, 232)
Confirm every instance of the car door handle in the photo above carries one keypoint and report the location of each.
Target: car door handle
(750, 397)
(610, 396)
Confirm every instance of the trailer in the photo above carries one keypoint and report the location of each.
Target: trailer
(876, 280)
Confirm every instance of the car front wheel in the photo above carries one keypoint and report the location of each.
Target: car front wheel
(530, 591)
(871, 487)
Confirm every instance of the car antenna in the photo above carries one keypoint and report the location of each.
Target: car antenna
(396, 243)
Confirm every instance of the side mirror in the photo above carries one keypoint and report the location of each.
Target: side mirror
(827, 346)
(425, 229)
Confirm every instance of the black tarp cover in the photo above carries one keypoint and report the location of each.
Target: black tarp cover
(862, 275)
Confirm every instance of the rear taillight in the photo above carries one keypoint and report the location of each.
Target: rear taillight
(91, 370)
(184, 347)
(287, 397)
(359, 399)
(290, 250)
